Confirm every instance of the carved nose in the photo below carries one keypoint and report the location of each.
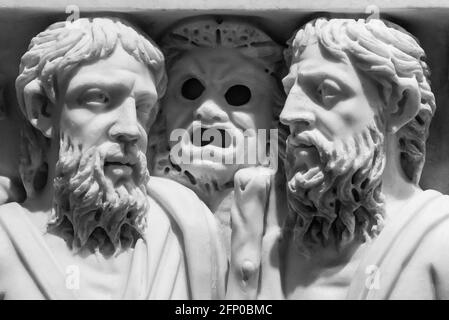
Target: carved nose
(293, 114)
(126, 126)
(209, 111)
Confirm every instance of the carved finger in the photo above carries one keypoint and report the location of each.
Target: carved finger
(247, 219)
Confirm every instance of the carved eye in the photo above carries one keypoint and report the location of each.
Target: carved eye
(142, 106)
(238, 95)
(94, 98)
(329, 92)
(192, 89)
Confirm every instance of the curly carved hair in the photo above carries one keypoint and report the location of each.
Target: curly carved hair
(64, 45)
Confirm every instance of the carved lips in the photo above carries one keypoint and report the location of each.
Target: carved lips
(119, 165)
(304, 162)
(305, 151)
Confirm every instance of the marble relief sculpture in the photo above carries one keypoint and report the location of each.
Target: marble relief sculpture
(150, 173)
(95, 225)
(359, 107)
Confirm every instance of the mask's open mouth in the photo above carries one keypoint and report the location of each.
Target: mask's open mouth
(220, 138)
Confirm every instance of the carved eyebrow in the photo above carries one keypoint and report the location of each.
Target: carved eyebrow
(226, 71)
(194, 63)
(143, 95)
(199, 65)
(342, 79)
(92, 81)
(236, 76)
(314, 69)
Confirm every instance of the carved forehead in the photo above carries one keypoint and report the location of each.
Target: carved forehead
(119, 67)
(217, 64)
(317, 63)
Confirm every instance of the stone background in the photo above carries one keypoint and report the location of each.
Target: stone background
(428, 21)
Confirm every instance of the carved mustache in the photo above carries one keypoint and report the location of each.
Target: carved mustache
(115, 155)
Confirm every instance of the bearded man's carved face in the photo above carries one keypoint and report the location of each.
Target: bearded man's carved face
(101, 175)
(214, 96)
(335, 151)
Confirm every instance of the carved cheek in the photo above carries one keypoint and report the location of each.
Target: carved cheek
(331, 124)
(264, 114)
(83, 125)
(72, 121)
(356, 114)
(143, 141)
(244, 120)
(179, 114)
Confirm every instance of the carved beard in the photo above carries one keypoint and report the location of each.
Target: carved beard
(340, 199)
(90, 212)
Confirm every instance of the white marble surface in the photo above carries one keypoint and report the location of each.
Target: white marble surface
(429, 22)
(19, 21)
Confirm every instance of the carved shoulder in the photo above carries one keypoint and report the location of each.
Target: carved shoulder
(5, 242)
(7, 252)
(5, 256)
(174, 190)
(418, 265)
(427, 262)
(435, 251)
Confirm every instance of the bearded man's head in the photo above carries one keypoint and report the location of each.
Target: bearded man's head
(350, 84)
(90, 89)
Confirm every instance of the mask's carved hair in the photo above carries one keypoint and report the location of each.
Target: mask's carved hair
(65, 45)
(216, 33)
(209, 33)
(385, 52)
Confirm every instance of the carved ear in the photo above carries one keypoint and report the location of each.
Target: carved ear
(38, 107)
(404, 104)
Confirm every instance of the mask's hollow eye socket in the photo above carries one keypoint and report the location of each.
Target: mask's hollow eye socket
(238, 95)
(192, 89)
